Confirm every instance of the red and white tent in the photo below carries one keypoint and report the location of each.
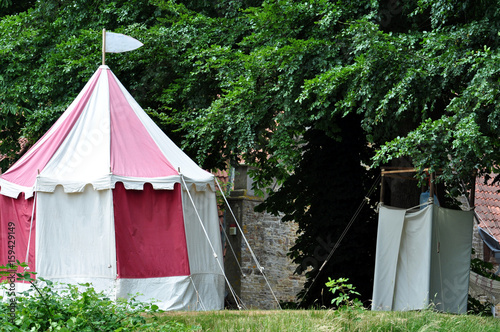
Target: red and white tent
(106, 197)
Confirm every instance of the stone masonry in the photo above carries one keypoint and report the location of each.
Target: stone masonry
(270, 240)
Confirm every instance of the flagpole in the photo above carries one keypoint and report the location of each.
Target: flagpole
(103, 47)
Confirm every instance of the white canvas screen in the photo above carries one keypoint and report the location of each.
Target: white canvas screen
(402, 260)
(390, 228)
(433, 259)
(451, 254)
(414, 262)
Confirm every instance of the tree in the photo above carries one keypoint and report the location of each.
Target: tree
(437, 88)
(322, 196)
(9, 7)
(315, 156)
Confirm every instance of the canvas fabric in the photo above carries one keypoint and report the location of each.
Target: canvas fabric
(15, 220)
(150, 234)
(451, 255)
(145, 252)
(422, 258)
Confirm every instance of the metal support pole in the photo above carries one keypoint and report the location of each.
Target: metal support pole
(103, 47)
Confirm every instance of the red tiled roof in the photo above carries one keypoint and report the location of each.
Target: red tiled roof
(487, 206)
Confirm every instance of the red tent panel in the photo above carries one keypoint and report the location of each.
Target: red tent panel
(18, 212)
(133, 151)
(150, 236)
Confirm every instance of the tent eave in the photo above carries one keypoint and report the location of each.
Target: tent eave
(13, 190)
(45, 184)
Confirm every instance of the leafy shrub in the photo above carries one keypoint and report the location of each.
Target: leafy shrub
(65, 307)
(483, 268)
(344, 292)
(476, 306)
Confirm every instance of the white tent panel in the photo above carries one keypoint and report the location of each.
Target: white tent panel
(200, 252)
(210, 288)
(451, 250)
(414, 262)
(390, 228)
(85, 153)
(75, 235)
(169, 293)
(105, 285)
(208, 277)
(195, 293)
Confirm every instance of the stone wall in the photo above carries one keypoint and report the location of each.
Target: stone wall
(270, 240)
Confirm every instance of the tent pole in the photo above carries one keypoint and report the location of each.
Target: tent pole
(103, 47)
(382, 186)
(431, 188)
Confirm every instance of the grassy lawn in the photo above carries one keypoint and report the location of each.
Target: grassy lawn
(328, 320)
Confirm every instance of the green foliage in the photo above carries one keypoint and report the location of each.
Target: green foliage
(483, 268)
(476, 307)
(345, 293)
(243, 80)
(64, 307)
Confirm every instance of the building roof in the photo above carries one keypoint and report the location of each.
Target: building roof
(487, 206)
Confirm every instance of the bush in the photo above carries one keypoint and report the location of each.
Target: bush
(344, 294)
(65, 307)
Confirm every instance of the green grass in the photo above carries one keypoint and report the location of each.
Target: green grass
(329, 320)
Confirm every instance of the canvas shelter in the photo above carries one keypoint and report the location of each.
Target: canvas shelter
(106, 197)
(423, 255)
(422, 259)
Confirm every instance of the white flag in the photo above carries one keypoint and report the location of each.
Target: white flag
(117, 43)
